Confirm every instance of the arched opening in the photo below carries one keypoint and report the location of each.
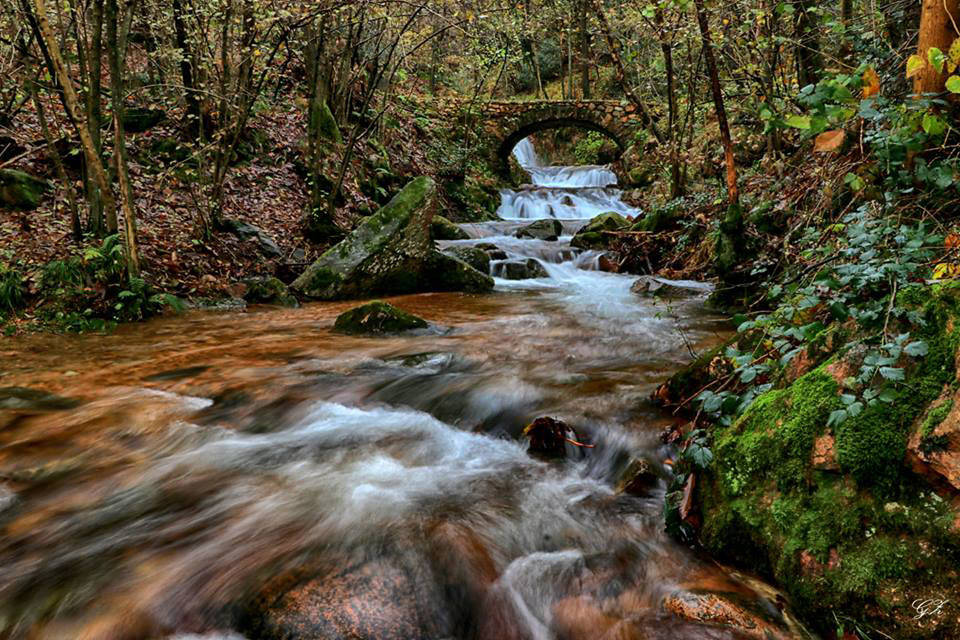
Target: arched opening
(506, 147)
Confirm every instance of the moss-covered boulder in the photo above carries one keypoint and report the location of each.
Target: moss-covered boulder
(851, 517)
(138, 119)
(541, 230)
(443, 229)
(19, 190)
(269, 291)
(473, 256)
(377, 317)
(593, 236)
(391, 252)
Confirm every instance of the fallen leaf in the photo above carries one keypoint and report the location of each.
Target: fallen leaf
(829, 141)
(871, 83)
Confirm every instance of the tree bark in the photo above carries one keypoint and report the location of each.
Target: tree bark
(585, 51)
(938, 28)
(807, 50)
(72, 104)
(187, 71)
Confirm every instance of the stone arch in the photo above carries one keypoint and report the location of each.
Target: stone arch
(506, 146)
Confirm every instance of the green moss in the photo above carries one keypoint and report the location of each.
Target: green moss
(443, 229)
(935, 416)
(377, 317)
(19, 190)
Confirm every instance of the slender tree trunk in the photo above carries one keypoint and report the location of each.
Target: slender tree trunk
(807, 54)
(585, 50)
(846, 19)
(666, 47)
(187, 71)
(117, 38)
(94, 114)
(730, 239)
(72, 104)
(75, 225)
(938, 28)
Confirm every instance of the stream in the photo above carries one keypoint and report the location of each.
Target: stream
(250, 474)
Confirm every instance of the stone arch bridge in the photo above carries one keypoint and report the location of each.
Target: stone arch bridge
(504, 124)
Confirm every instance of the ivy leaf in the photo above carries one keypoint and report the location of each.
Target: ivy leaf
(917, 349)
(892, 373)
(915, 65)
(936, 58)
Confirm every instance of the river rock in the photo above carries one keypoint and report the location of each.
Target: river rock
(19, 190)
(731, 610)
(520, 269)
(473, 256)
(269, 291)
(662, 287)
(492, 250)
(443, 229)
(137, 119)
(637, 478)
(391, 252)
(24, 399)
(548, 437)
(592, 235)
(377, 317)
(246, 231)
(541, 230)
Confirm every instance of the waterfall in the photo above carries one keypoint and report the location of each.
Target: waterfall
(579, 192)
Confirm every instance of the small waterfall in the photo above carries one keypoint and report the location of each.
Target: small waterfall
(561, 192)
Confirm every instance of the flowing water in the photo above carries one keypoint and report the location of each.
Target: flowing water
(252, 475)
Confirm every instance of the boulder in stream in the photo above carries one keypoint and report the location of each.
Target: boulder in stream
(520, 269)
(19, 190)
(443, 229)
(391, 253)
(377, 317)
(662, 287)
(492, 250)
(473, 256)
(269, 291)
(549, 229)
(593, 236)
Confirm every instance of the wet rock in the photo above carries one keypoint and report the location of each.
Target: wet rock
(177, 374)
(729, 610)
(391, 252)
(246, 231)
(8, 499)
(269, 291)
(541, 230)
(520, 269)
(492, 250)
(217, 304)
(661, 287)
(548, 437)
(473, 256)
(593, 236)
(443, 229)
(24, 399)
(19, 190)
(608, 263)
(137, 119)
(637, 478)
(377, 317)
(379, 599)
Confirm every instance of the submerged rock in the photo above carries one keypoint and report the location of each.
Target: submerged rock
(19, 190)
(541, 230)
(592, 235)
(548, 437)
(520, 269)
(473, 256)
(391, 252)
(269, 291)
(637, 478)
(443, 229)
(24, 399)
(377, 317)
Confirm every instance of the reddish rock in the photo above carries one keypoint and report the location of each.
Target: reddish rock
(725, 610)
(825, 453)
(936, 455)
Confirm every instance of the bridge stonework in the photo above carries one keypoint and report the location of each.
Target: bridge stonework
(507, 123)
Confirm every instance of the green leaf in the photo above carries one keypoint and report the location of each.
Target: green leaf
(917, 349)
(933, 124)
(936, 58)
(953, 84)
(915, 65)
(798, 122)
(892, 373)
(837, 417)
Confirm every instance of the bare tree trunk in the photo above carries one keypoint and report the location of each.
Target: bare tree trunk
(117, 39)
(676, 184)
(75, 225)
(730, 239)
(72, 104)
(938, 28)
(585, 50)
(187, 72)
(807, 43)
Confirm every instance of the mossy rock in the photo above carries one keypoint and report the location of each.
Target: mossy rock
(269, 291)
(833, 512)
(473, 256)
(19, 190)
(541, 230)
(377, 317)
(138, 120)
(660, 219)
(391, 252)
(592, 235)
(443, 229)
